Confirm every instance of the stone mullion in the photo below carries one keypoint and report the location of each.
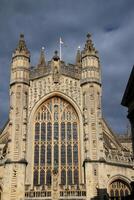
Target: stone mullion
(59, 139)
(52, 138)
(39, 166)
(72, 152)
(66, 151)
(45, 143)
(79, 160)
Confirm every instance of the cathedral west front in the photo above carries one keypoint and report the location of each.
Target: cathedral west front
(56, 145)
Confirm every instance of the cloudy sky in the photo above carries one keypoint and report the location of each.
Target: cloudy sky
(111, 23)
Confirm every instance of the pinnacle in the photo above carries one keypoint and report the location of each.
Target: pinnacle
(89, 35)
(21, 35)
(42, 62)
(21, 44)
(89, 46)
(56, 57)
(78, 57)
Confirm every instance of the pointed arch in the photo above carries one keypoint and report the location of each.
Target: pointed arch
(61, 126)
(119, 187)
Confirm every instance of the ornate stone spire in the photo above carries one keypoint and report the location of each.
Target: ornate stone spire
(78, 57)
(21, 47)
(89, 46)
(42, 62)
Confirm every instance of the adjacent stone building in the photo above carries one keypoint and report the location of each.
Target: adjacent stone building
(56, 145)
(128, 101)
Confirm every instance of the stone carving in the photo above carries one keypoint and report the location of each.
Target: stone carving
(56, 74)
(47, 85)
(85, 116)
(17, 111)
(17, 127)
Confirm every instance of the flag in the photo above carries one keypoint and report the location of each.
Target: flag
(61, 42)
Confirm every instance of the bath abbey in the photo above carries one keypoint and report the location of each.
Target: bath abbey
(56, 145)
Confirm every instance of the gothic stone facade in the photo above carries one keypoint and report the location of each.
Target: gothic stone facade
(56, 145)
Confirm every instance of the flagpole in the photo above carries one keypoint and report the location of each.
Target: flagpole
(60, 48)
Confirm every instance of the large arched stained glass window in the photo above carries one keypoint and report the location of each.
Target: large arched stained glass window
(56, 144)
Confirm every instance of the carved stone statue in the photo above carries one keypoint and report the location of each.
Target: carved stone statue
(56, 74)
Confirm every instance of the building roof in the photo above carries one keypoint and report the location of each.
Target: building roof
(128, 96)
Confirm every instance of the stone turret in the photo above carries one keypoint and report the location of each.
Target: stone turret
(90, 63)
(91, 90)
(15, 166)
(20, 63)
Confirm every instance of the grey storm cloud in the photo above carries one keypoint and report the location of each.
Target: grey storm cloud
(110, 22)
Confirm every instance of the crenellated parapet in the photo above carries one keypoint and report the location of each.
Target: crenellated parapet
(64, 192)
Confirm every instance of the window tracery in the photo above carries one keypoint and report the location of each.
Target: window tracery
(119, 189)
(56, 142)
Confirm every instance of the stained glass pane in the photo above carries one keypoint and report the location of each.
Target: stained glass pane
(45, 115)
(35, 177)
(63, 116)
(49, 131)
(55, 112)
(36, 155)
(126, 192)
(49, 154)
(43, 132)
(69, 175)
(68, 130)
(69, 155)
(48, 115)
(48, 177)
(76, 177)
(121, 193)
(42, 177)
(75, 131)
(56, 154)
(37, 131)
(75, 154)
(56, 130)
(42, 155)
(63, 155)
(63, 131)
(63, 177)
(116, 193)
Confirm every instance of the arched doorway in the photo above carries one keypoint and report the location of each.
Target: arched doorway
(56, 143)
(119, 190)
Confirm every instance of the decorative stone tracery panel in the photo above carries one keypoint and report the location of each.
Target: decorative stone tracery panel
(41, 87)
